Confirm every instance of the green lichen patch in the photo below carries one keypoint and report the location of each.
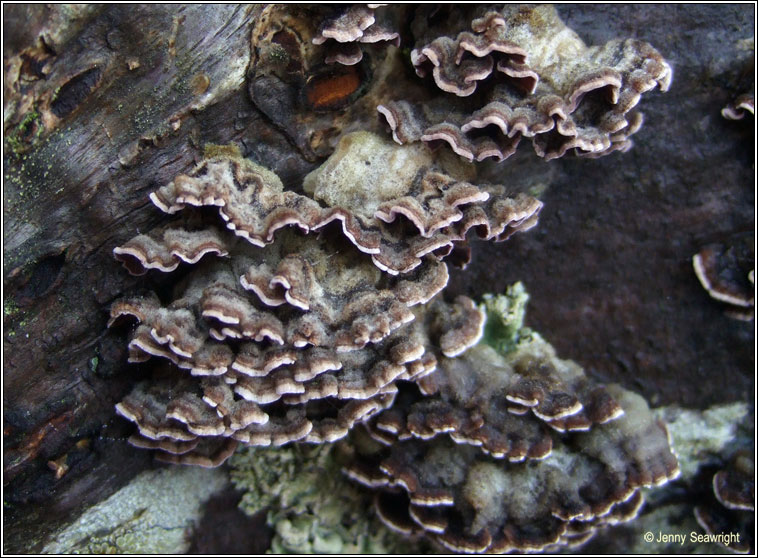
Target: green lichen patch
(10, 307)
(701, 437)
(15, 318)
(28, 131)
(312, 507)
(504, 329)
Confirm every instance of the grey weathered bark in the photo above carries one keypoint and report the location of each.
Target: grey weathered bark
(102, 104)
(105, 103)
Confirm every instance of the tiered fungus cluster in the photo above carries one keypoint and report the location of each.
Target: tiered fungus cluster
(314, 307)
(518, 72)
(358, 25)
(298, 332)
(512, 449)
(730, 510)
(727, 269)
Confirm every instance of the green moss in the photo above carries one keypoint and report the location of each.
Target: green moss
(312, 507)
(14, 144)
(15, 314)
(10, 307)
(28, 120)
(20, 139)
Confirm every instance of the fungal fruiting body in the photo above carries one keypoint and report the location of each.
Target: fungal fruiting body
(511, 449)
(299, 321)
(306, 310)
(518, 71)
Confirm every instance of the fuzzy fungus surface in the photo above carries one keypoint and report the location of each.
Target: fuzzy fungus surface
(263, 307)
(518, 71)
(312, 310)
(512, 449)
(286, 329)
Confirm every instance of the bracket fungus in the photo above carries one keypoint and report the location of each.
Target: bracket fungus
(300, 311)
(726, 272)
(356, 26)
(289, 329)
(517, 450)
(518, 71)
(737, 109)
(404, 180)
(728, 516)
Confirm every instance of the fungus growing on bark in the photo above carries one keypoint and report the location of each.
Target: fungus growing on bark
(280, 335)
(512, 451)
(365, 185)
(734, 487)
(262, 393)
(731, 509)
(321, 312)
(726, 271)
(345, 33)
(534, 78)
(369, 183)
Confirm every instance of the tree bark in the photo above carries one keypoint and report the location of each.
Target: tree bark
(102, 105)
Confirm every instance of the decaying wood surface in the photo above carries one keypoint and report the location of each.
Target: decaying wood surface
(102, 105)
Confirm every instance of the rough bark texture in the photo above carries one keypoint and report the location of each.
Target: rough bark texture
(103, 104)
(76, 185)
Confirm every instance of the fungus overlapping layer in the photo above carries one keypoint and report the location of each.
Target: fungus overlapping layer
(313, 308)
(520, 72)
(396, 203)
(514, 451)
(304, 362)
(286, 331)
(344, 33)
(259, 392)
(731, 509)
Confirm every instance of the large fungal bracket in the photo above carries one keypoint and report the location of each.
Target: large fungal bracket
(507, 448)
(368, 186)
(533, 78)
(259, 393)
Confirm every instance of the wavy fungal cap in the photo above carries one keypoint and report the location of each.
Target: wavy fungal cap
(533, 78)
(310, 314)
(508, 448)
